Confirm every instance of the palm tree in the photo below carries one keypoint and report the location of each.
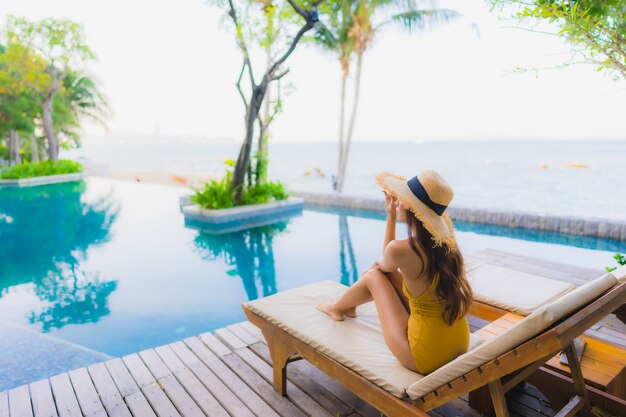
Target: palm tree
(80, 99)
(352, 31)
(334, 36)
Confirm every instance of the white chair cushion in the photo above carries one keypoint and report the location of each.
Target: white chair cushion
(512, 290)
(356, 343)
(620, 274)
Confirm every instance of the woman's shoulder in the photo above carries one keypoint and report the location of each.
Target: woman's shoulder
(400, 249)
(398, 246)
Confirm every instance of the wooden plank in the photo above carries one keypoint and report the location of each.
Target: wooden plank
(154, 364)
(205, 400)
(159, 402)
(215, 344)
(229, 401)
(86, 394)
(302, 380)
(19, 402)
(4, 404)
(242, 334)
(122, 378)
(138, 370)
(109, 395)
(174, 390)
(361, 407)
(294, 393)
(254, 402)
(251, 328)
(41, 397)
(64, 396)
(179, 397)
(139, 405)
(229, 339)
(282, 405)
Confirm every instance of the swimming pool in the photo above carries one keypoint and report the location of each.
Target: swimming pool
(103, 268)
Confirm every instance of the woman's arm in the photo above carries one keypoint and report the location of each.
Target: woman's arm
(390, 228)
(390, 260)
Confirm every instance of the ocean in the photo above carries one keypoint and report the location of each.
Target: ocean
(580, 178)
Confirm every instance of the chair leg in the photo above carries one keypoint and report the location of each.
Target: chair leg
(579, 379)
(280, 354)
(497, 398)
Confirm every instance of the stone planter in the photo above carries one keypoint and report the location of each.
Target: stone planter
(239, 218)
(51, 179)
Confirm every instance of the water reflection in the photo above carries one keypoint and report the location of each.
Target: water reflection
(45, 233)
(349, 272)
(249, 251)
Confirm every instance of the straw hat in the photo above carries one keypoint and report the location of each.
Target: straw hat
(427, 195)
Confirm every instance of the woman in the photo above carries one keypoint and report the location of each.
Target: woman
(419, 285)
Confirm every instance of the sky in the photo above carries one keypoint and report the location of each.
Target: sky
(169, 68)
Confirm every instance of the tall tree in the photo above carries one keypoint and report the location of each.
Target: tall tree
(335, 36)
(295, 21)
(596, 29)
(351, 32)
(78, 99)
(60, 42)
(22, 77)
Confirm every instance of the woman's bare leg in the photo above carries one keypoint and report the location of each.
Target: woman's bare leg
(391, 311)
(357, 294)
(361, 295)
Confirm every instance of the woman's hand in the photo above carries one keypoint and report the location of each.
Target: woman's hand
(390, 204)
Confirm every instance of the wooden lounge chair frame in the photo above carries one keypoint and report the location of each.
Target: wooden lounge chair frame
(500, 375)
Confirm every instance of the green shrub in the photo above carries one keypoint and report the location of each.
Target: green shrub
(621, 261)
(40, 169)
(218, 194)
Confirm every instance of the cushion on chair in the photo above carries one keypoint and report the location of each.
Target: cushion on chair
(620, 274)
(512, 290)
(526, 329)
(356, 343)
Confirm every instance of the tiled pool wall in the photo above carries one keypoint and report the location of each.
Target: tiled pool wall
(578, 226)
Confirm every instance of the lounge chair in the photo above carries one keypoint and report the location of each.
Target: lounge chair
(354, 353)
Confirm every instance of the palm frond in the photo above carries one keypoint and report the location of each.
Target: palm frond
(417, 20)
(325, 37)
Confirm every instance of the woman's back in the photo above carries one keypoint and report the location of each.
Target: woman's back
(432, 341)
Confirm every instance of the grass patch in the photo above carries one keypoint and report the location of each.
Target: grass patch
(40, 169)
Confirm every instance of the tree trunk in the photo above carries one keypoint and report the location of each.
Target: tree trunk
(357, 87)
(16, 147)
(53, 146)
(34, 149)
(243, 160)
(49, 130)
(264, 125)
(342, 112)
(10, 148)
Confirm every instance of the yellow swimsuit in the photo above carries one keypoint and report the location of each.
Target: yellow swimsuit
(433, 343)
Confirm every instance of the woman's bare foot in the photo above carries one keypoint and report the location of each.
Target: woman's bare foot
(329, 308)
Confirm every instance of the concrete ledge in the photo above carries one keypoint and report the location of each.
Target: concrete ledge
(238, 218)
(51, 179)
(578, 226)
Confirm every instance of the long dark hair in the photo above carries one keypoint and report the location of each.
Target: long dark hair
(453, 289)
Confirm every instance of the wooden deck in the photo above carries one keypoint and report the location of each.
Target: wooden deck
(223, 374)
(229, 373)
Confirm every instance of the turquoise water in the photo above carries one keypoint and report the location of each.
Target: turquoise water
(109, 268)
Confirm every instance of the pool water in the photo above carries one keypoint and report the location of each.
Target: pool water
(107, 268)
